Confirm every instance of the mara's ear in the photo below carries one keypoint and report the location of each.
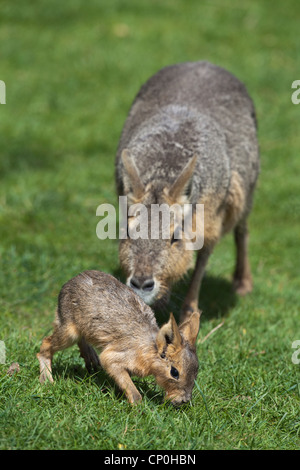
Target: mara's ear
(177, 189)
(168, 334)
(190, 327)
(132, 180)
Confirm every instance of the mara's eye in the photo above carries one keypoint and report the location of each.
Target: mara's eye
(174, 373)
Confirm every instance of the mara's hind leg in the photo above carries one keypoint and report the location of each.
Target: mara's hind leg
(63, 337)
(89, 355)
(242, 279)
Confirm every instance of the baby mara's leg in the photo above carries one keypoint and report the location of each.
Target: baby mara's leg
(63, 337)
(113, 363)
(89, 355)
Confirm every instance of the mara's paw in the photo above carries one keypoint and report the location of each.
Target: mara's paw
(243, 286)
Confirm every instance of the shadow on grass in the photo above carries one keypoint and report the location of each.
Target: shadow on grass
(217, 297)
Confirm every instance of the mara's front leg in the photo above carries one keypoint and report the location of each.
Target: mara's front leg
(113, 363)
(190, 304)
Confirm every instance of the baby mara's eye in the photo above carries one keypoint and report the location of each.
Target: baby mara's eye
(174, 372)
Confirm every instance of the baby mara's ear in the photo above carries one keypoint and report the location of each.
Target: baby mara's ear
(168, 334)
(190, 328)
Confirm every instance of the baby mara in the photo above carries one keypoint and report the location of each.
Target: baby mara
(96, 309)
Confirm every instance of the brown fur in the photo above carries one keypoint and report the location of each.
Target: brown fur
(94, 309)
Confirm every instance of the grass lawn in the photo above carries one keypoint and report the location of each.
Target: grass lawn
(71, 71)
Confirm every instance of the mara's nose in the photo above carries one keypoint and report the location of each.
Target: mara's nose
(178, 401)
(141, 283)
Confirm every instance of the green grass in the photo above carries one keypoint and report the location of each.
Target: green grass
(71, 71)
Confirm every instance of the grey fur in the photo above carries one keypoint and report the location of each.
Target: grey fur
(193, 108)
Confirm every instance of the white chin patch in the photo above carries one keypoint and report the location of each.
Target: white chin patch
(147, 297)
